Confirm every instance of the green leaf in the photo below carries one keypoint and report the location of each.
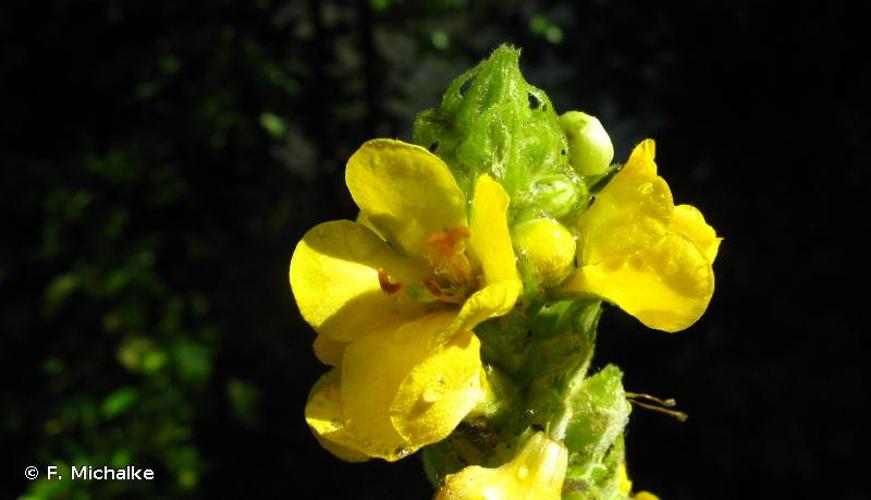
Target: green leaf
(194, 361)
(119, 402)
(244, 399)
(274, 125)
(58, 291)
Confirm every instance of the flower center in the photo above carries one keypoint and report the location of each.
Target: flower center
(453, 277)
(446, 252)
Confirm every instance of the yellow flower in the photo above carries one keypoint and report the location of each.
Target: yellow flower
(394, 298)
(642, 253)
(537, 471)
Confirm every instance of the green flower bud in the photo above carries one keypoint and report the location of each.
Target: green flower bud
(492, 121)
(548, 247)
(557, 195)
(590, 148)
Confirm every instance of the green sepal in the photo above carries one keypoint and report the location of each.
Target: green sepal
(597, 480)
(487, 444)
(594, 436)
(563, 339)
(492, 121)
(600, 412)
(505, 342)
(532, 355)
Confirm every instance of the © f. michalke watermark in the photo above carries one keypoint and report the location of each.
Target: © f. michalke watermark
(89, 473)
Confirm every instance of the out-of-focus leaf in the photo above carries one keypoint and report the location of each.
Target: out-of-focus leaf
(119, 402)
(244, 399)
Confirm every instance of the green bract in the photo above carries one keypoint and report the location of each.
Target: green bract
(492, 121)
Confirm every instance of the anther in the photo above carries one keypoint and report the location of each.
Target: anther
(386, 285)
(449, 238)
(633, 398)
(669, 403)
(440, 294)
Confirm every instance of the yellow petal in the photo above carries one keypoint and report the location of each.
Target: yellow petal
(631, 213)
(645, 495)
(667, 287)
(334, 277)
(642, 157)
(375, 369)
(624, 484)
(690, 223)
(489, 302)
(329, 351)
(405, 191)
(439, 392)
(490, 239)
(364, 220)
(537, 471)
(323, 413)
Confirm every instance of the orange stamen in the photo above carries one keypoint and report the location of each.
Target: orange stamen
(449, 238)
(440, 294)
(386, 285)
(447, 254)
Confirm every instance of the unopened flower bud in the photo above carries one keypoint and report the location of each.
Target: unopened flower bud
(558, 194)
(590, 148)
(547, 246)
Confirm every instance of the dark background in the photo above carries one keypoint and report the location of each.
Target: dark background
(161, 159)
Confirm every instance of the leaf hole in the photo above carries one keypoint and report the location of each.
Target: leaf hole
(466, 86)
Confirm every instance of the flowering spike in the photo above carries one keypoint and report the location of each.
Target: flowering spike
(458, 314)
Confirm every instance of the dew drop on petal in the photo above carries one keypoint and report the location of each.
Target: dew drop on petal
(431, 395)
(522, 472)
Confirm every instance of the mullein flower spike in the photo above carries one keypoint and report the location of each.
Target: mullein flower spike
(458, 312)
